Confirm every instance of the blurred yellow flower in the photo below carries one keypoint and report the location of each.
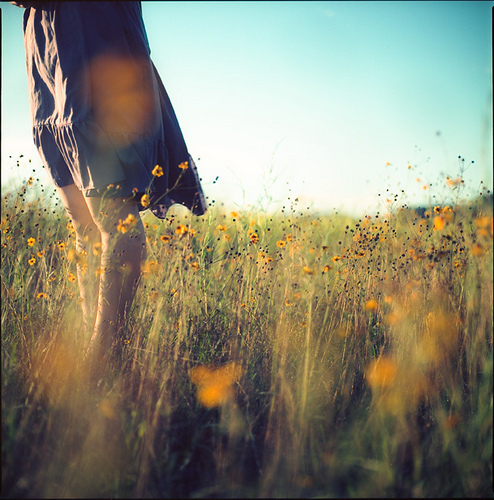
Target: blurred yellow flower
(439, 223)
(215, 385)
(308, 270)
(477, 250)
(157, 171)
(483, 222)
(371, 305)
(280, 243)
(184, 165)
(336, 258)
(125, 225)
(453, 182)
(392, 318)
(220, 227)
(381, 373)
(165, 238)
(484, 226)
(31, 261)
(31, 242)
(254, 238)
(145, 200)
(181, 229)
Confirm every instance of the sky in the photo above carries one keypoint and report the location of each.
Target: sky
(336, 104)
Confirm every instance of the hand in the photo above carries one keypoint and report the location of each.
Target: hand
(24, 5)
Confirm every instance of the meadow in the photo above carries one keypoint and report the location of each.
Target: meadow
(285, 354)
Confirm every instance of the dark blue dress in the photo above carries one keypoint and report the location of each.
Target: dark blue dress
(102, 119)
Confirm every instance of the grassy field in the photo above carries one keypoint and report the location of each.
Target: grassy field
(267, 356)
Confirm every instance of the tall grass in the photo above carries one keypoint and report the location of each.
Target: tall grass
(266, 355)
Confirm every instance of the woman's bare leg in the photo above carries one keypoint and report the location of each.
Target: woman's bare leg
(88, 238)
(123, 250)
(106, 298)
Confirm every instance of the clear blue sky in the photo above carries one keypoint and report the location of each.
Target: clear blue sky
(308, 99)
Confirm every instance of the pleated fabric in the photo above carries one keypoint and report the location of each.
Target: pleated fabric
(102, 119)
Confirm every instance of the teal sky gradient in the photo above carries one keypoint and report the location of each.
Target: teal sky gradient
(309, 99)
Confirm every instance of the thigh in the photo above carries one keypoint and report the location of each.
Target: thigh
(109, 213)
(78, 210)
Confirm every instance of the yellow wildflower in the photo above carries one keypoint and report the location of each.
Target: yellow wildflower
(371, 305)
(124, 225)
(214, 385)
(184, 165)
(32, 261)
(31, 242)
(438, 223)
(381, 373)
(157, 171)
(145, 200)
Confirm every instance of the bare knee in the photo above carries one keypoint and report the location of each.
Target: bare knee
(122, 232)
